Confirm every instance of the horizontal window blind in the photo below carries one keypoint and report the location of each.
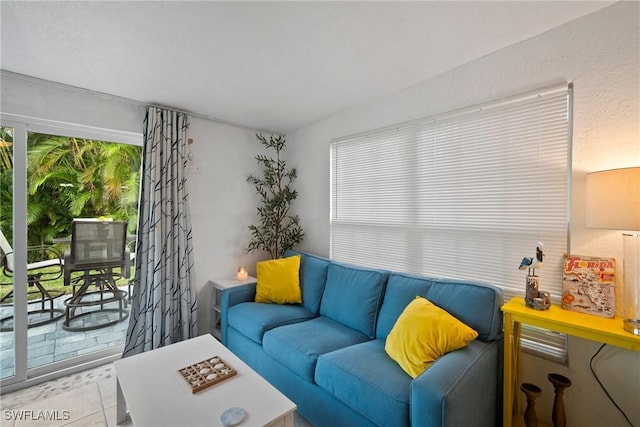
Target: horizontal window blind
(464, 195)
(550, 344)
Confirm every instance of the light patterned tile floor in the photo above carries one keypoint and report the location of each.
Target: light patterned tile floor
(86, 399)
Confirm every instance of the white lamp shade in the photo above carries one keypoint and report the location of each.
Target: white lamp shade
(613, 199)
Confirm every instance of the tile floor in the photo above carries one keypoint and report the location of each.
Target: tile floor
(87, 399)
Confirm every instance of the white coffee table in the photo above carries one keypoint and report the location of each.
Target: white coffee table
(150, 386)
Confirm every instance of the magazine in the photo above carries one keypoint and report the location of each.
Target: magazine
(588, 285)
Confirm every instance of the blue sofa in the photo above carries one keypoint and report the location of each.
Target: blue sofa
(327, 353)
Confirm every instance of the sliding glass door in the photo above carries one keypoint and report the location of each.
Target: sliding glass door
(51, 174)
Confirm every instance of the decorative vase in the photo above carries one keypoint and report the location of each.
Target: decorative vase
(532, 392)
(558, 415)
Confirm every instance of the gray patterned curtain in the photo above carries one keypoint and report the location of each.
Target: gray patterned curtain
(163, 307)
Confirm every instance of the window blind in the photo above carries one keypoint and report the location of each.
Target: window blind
(465, 194)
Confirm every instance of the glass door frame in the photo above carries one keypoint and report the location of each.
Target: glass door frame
(24, 376)
(19, 246)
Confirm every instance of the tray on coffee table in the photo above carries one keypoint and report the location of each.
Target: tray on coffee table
(206, 373)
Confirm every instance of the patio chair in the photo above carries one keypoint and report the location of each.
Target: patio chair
(99, 252)
(48, 267)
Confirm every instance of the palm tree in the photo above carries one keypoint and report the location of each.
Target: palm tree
(73, 177)
(69, 178)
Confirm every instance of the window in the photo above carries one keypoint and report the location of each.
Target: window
(465, 194)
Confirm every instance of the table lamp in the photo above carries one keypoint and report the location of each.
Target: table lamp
(613, 202)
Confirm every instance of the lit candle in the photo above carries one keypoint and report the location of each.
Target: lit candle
(242, 273)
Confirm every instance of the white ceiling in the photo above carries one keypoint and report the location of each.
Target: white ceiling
(269, 65)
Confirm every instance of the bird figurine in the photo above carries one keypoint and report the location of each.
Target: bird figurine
(534, 262)
(533, 296)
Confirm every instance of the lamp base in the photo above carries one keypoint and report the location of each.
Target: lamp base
(632, 325)
(631, 289)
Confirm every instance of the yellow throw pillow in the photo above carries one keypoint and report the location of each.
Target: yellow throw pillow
(423, 333)
(278, 281)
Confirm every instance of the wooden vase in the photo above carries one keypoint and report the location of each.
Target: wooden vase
(558, 415)
(532, 392)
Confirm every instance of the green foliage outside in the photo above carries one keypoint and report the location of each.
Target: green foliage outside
(70, 178)
(278, 230)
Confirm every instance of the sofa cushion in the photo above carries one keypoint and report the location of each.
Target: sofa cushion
(279, 281)
(475, 304)
(313, 276)
(253, 319)
(352, 296)
(366, 379)
(423, 333)
(298, 346)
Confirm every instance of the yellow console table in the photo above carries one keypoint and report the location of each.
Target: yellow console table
(580, 325)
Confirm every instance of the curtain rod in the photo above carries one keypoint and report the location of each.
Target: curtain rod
(136, 102)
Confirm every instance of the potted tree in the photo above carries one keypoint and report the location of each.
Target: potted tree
(277, 229)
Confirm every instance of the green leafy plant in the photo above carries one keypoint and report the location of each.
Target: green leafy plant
(69, 178)
(278, 230)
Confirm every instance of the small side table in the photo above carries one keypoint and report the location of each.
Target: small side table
(217, 286)
(579, 325)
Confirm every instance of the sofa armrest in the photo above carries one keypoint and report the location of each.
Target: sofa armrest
(462, 388)
(231, 297)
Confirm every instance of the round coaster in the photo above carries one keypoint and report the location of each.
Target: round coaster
(232, 416)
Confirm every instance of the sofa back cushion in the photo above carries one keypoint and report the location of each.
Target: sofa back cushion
(352, 296)
(313, 276)
(475, 304)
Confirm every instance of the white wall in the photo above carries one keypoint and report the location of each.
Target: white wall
(222, 203)
(599, 53)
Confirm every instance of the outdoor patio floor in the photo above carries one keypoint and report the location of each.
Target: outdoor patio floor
(50, 343)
